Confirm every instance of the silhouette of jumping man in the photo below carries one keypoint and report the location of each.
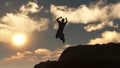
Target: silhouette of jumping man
(62, 24)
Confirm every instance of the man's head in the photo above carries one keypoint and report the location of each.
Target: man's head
(63, 19)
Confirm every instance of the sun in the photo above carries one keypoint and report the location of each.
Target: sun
(19, 39)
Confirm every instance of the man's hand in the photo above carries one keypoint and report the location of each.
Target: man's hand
(60, 17)
(66, 20)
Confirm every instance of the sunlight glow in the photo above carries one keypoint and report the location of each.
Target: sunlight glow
(19, 39)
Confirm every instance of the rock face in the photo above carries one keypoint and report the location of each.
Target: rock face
(104, 52)
(84, 56)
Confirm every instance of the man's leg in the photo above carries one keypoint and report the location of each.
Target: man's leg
(57, 35)
(62, 38)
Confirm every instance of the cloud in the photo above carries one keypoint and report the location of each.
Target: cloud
(27, 55)
(115, 11)
(8, 4)
(31, 7)
(105, 15)
(93, 27)
(43, 24)
(106, 37)
(40, 54)
(21, 22)
(18, 56)
(5, 35)
(43, 53)
(46, 54)
(82, 14)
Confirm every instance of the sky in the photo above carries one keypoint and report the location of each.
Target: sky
(89, 22)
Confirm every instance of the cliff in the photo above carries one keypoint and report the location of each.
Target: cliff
(84, 56)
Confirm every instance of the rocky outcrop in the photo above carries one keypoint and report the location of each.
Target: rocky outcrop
(84, 56)
(110, 51)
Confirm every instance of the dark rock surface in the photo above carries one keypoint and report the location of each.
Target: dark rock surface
(87, 56)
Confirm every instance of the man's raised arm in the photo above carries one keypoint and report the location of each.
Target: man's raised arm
(66, 20)
(58, 19)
